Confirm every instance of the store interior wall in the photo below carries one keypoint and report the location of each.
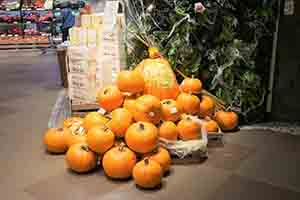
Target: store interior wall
(286, 93)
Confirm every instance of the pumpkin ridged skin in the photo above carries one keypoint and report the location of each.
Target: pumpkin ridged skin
(80, 158)
(100, 139)
(147, 174)
(73, 121)
(188, 103)
(142, 137)
(211, 126)
(188, 129)
(227, 121)
(92, 119)
(161, 156)
(120, 121)
(118, 162)
(129, 104)
(147, 109)
(160, 80)
(169, 110)
(75, 137)
(207, 106)
(130, 81)
(191, 86)
(168, 130)
(110, 98)
(55, 140)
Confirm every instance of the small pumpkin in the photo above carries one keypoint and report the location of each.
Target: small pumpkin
(130, 81)
(71, 121)
(211, 126)
(76, 136)
(147, 109)
(80, 158)
(142, 137)
(118, 162)
(129, 104)
(92, 119)
(100, 139)
(168, 130)
(188, 129)
(55, 140)
(147, 173)
(110, 98)
(228, 121)
(188, 103)
(191, 86)
(207, 106)
(162, 156)
(169, 110)
(120, 121)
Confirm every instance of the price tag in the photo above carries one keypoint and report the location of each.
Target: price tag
(173, 110)
(101, 111)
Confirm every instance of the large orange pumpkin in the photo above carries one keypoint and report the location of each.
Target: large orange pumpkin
(55, 140)
(73, 121)
(120, 121)
(191, 86)
(110, 98)
(160, 80)
(80, 158)
(188, 129)
(147, 173)
(169, 110)
(100, 139)
(92, 119)
(129, 104)
(162, 156)
(228, 121)
(76, 136)
(142, 137)
(188, 103)
(147, 109)
(118, 162)
(131, 81)
(168, 130)
(207, 106)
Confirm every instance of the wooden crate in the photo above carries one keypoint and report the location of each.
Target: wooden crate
(80, 108)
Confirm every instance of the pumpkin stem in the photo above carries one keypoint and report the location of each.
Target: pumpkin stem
(142, 126)
(146, 160)
(105, 91)
(168, 102)
(60, 129)
(85, 148)
(121, 146)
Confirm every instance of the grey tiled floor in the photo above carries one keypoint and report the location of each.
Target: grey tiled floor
(250, 164)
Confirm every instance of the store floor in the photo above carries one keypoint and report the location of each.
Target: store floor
(250, 165)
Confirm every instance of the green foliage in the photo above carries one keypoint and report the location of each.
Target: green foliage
(224, 42)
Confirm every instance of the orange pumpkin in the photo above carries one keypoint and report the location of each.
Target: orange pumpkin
(80, 158)
(188, 129)
(55, 140)
(110, 98)
(168, 130)
(228, 121)
(76, 136)
(142, 137)
(147, 173)
(129, 104)
(191, 86)
(130, 81)
(100, 139)
(118, 162)
(188, 103)
(73, 121)
(92, 119)
(120, 121)
(207, 106)
(162, 156)
(169, 110)
(147, 109)
(211, 126)
(160, 80)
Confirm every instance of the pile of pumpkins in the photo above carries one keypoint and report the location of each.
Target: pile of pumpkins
(146, 104)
